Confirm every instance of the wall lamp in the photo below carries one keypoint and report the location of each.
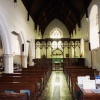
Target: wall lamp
(15, 33)
(28, 41)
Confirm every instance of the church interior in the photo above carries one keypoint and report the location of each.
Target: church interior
(49, 49)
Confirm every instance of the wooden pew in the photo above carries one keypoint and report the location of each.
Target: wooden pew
(72, 84)
(37, 80)
(72, 68)
(30, 75)
(73, 80)
(44, 69)
(73, 72)
(26, 77)
(78, 72)
(13, 96)
(86, 94)
(44, 73)
(17, 86)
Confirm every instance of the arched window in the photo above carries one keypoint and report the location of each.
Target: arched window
(56, 34)
(94, 27)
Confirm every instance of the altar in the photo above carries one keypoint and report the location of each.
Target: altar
(57, 64)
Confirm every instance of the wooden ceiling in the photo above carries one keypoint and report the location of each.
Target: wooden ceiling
(69, 12)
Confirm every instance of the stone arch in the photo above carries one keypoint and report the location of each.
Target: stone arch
(5, 38)
(6, 45)
(24, 53)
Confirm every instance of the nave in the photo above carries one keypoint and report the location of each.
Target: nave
(56, 88)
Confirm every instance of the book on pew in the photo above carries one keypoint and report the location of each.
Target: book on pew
(80, 79)
(25, 91)
(9, 91)
(95, 90)
(97, 86)
(89, 84)
(97, 79)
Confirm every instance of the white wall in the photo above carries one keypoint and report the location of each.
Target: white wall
(56, 24)
(15, 18)
(85, 32)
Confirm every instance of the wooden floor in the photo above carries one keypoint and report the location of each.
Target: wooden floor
(56, 88)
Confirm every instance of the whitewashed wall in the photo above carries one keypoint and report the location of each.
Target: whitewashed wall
(56, 24)
(15, 17)
(96, 52)
(84, 33)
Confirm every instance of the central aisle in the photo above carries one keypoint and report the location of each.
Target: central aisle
(56, 88)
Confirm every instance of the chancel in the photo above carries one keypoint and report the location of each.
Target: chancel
(49, 49)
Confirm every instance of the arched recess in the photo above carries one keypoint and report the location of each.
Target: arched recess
(94, 27)
(55, 52)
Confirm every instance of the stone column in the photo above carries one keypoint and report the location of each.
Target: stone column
(24, 61)
(8, 63)
(31, 62)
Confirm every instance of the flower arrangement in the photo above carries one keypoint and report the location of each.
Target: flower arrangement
(43, 56)
(81, 55)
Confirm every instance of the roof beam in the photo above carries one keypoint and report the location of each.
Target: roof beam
(15, 1)
(29, 9)
(86, 7)
(74, 11)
